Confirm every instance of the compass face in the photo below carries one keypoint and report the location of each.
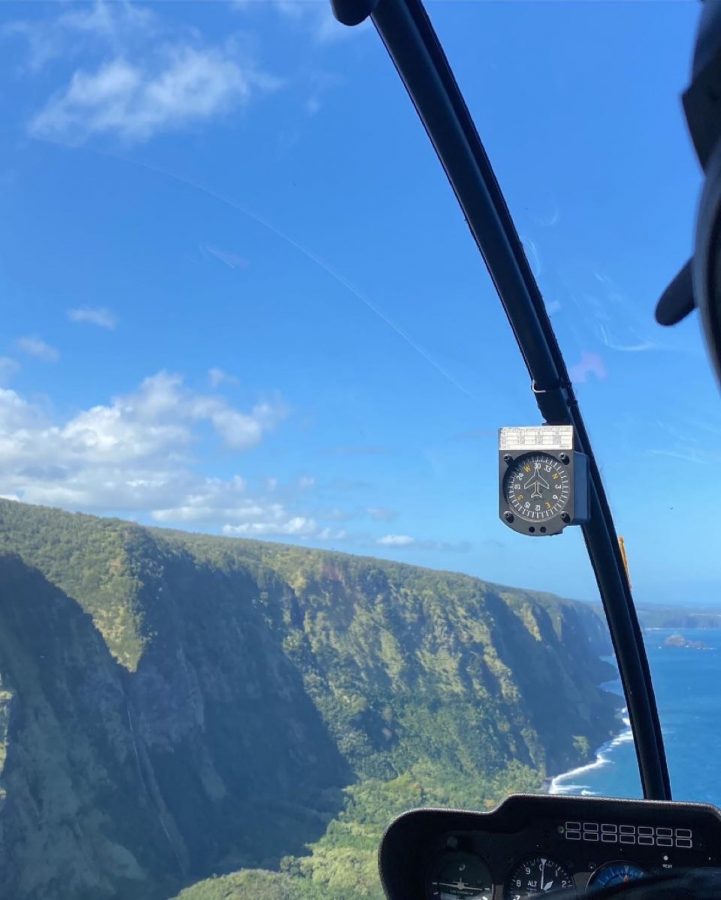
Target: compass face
(614, 873)
(537, 487)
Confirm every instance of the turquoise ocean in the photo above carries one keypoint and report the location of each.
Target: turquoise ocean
(688, 692)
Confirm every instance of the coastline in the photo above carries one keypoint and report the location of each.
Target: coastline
(686, 687)
(571, 782)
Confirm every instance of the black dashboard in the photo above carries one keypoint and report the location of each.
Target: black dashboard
(539, 844)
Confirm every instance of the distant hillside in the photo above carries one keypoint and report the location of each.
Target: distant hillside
(176, 705)
(652, 616)
(678, 617)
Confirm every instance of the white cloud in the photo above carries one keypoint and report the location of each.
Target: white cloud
(296, 526)
(94, 315)
(181, 86)
(405, 540)
(141, 73)
(151, 426)
(330, 534)
(381, 513)
(36, 347)
(396, 540)
(139, 455)
(108, 24)
(239, 430)
(313, 16)
(274, 521)
(335, 514)
(8, 367)
(216, 377)
(109, 19)
(132, 455)
(16, 415)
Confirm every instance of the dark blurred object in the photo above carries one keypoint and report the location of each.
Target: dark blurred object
(698, 884)
(702, 884)
(699, 281)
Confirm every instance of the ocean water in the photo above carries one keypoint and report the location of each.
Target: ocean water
(688, 693)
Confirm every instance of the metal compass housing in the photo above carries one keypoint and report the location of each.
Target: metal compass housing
(543, 480)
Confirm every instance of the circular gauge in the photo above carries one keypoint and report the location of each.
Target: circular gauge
(537, 875)
(537, 487)
(614, 873)
(460, 875)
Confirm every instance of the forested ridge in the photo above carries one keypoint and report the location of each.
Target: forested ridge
(178, 707)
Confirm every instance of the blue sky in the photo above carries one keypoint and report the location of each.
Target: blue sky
(239, 296)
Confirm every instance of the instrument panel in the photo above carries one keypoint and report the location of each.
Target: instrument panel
(542, 844)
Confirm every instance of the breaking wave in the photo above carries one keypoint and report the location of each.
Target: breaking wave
(572, 782)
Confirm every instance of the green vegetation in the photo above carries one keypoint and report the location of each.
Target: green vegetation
(176, 705)
(342, 865)
(87, 558)
(250, 883)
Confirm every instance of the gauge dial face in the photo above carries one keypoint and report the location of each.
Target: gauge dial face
(537, 487)
(614, 873)
(460, 875)
(537, 875)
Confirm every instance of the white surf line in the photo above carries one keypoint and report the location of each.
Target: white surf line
(568, 782)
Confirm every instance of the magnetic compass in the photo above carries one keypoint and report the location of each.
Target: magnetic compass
(543, 480)
(537, 487)
(614, 873)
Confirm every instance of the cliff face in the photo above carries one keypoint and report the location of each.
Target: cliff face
(173, 705)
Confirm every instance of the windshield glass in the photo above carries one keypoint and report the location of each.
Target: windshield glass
(607, 214)
(242, 306)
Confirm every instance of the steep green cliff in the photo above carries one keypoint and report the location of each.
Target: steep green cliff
(175, 705)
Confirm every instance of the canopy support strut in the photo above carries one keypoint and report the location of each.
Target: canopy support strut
(413, 45)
